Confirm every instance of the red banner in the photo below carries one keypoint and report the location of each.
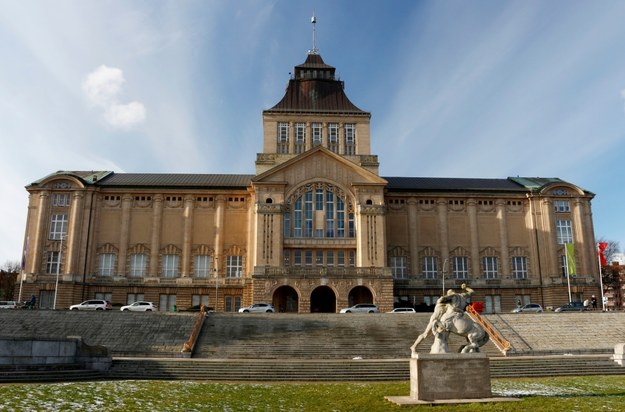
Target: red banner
(601, 247)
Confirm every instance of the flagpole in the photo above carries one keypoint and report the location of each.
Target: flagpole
(600, 278)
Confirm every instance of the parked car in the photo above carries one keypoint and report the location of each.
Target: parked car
(258, 308)
(571, 307)
(139, 306)
(95, 304)
(8, 304)
(362, 308)
(403, 310)
(529, 307)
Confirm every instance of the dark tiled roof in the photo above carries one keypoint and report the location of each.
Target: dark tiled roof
(314, 89)
(452, 184)
(176, 180)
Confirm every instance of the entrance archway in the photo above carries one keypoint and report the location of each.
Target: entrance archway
(286, 299)
(359, 294)
(323, 300)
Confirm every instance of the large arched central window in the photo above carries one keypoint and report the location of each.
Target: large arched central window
(319, 210)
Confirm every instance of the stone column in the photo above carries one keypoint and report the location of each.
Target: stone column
(73, 234)
(413, 239)
(341, 139)
(220, 202)
(581, 242)
(475, 238)
(308, 136)
(187, 236)
(549, 238)
(443, 231)
(291, 138)
(124, 235)
(324, 135)
(503, 237)
(40, 234)
(155, 244)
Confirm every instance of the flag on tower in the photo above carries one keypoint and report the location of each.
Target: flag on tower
(601, 247)
(570, 259)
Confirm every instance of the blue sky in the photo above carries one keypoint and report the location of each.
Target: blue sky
(461, 88)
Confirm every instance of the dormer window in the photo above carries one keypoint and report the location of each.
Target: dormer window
(350, 139)
(317, 131)
(300, 138)
(283, 137)
(333, 137)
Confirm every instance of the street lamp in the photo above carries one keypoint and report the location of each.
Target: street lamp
(58, 271)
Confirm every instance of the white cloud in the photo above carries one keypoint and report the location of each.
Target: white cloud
(102, 88)
(125, 116)
(103, 85)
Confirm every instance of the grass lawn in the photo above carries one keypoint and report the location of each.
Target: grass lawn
(560, 394)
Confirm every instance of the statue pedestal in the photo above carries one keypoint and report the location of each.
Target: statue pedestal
(448, 378)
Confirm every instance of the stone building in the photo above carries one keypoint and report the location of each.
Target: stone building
(314, 230)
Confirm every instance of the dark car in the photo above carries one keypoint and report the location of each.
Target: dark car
(571, 307)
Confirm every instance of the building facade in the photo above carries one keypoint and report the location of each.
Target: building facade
(315, 229)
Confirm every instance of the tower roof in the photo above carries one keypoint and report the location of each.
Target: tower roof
(314, 88)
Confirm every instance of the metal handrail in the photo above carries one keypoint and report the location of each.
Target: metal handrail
(502, 344)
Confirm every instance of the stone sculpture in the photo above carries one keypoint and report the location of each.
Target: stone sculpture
(449, 317)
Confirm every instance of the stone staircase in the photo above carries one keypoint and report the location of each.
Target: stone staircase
(301, 370)
(48, 373)
(123, 333)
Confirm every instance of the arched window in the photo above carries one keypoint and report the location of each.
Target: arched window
(319, 210)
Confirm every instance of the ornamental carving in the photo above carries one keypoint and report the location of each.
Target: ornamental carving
(268, 208)
(372, 210)
(349, 207)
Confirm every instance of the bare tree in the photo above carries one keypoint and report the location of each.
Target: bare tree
(12, 266)
(8, 278)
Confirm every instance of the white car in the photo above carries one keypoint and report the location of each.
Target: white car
(95, 304)
(139, 306)
(8, 304)
(403, 310)
(258, 308)
(362, 308)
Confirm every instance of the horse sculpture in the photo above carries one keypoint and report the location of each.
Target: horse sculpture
(449, 317)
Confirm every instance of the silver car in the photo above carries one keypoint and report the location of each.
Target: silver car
(362, 308)
(94, 304)
(139, 306)
(529, 307)
(403, 310)
(258, 308)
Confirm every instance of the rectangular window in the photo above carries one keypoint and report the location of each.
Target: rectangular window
(308, 214)
(461, 267)
(108, 296)
(519, 267)
(106, 266)
(287, 258)
(202, 266)
(283, 137)
(429, 267)
(330, 258)
(134, 297)
(563, 265)
(333, 137)
(138, 265)
(350, 139)
(398, 267)
(287, 224)
(561, 206)
(329, 214)
(300, 138)
(58, 227)
(297, 218)
(352, 258)
(340, 218)
(234, 266)
(167, 303)
(197, 300)
(430, 300)
(170, 266)
(61, 199)
(297, 258)
(319, 258)
(316, 134)
(340, 258)
(233, 303)
(308, 256)
(492, 304)
(564, 230)
(490, 267)
(53, 264)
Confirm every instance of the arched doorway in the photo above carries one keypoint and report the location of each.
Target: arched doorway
(359, 294)
(285, 299)
(323, 300)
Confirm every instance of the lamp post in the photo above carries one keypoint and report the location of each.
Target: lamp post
(58, 271)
